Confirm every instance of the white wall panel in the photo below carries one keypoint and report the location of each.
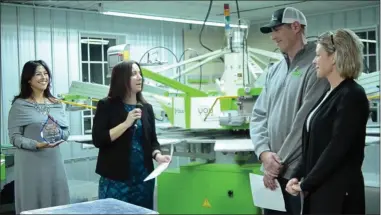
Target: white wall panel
(43, 32)
(338, 20)
(60, 52)
(26, 38)
(9, 63)
(369, 16)
(361, 18)
(74, 22)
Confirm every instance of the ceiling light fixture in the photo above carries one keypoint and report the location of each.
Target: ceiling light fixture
(187, 21)
(368, 41)
(95, 41)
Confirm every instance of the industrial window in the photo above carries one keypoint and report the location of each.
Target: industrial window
(370, 49)
(94, 69)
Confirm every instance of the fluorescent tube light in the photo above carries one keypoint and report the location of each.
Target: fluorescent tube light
(169, 19)
(95, 41)
(368, 41)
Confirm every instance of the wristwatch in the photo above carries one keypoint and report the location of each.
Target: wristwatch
(154, 155)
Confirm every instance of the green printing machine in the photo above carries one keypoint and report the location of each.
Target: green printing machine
(207, 189)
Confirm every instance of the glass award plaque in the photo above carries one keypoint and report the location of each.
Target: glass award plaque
(50, 131)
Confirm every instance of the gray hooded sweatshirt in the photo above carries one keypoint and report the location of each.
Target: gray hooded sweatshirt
(279, 113)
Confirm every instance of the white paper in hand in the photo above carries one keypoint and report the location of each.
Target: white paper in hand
(264, 197)
(160, 168)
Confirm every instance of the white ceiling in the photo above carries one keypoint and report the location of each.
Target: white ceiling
(254, 11)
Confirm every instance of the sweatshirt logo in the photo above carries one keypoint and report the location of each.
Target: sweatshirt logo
(296, 73)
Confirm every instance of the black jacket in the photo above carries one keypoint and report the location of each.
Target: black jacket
(114, 157)
(333, 152)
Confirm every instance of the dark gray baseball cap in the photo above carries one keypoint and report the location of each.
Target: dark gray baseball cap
(282, 16)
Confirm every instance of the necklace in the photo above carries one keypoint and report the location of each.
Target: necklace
(42, 108)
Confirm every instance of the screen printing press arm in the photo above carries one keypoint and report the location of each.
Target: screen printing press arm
(224, 145)
(206, 147)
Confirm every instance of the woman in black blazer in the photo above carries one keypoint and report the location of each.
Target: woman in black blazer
(334, 133)
(124, 131)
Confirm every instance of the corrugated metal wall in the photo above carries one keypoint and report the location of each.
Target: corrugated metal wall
(53, 35)
(362, 18)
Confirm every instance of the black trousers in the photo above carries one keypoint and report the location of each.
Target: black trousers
(292, 203)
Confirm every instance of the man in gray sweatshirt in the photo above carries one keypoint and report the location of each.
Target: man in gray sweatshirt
(291, 90)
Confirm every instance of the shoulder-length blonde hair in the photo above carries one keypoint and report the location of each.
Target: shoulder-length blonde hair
(348, 50)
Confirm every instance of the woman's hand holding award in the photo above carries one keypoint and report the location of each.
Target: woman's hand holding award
(51, 133)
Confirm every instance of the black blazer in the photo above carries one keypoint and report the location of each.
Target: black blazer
(333, 152)
(114, 157)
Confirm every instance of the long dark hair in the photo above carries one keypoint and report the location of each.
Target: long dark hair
(120, 82)
(28, 71)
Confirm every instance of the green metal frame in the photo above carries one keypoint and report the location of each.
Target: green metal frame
(189, 91)
(70, 97)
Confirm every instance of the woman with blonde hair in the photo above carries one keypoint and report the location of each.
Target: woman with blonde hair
(329, 177)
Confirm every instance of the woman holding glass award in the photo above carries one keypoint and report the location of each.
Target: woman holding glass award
(37, 124)
(124, 132)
